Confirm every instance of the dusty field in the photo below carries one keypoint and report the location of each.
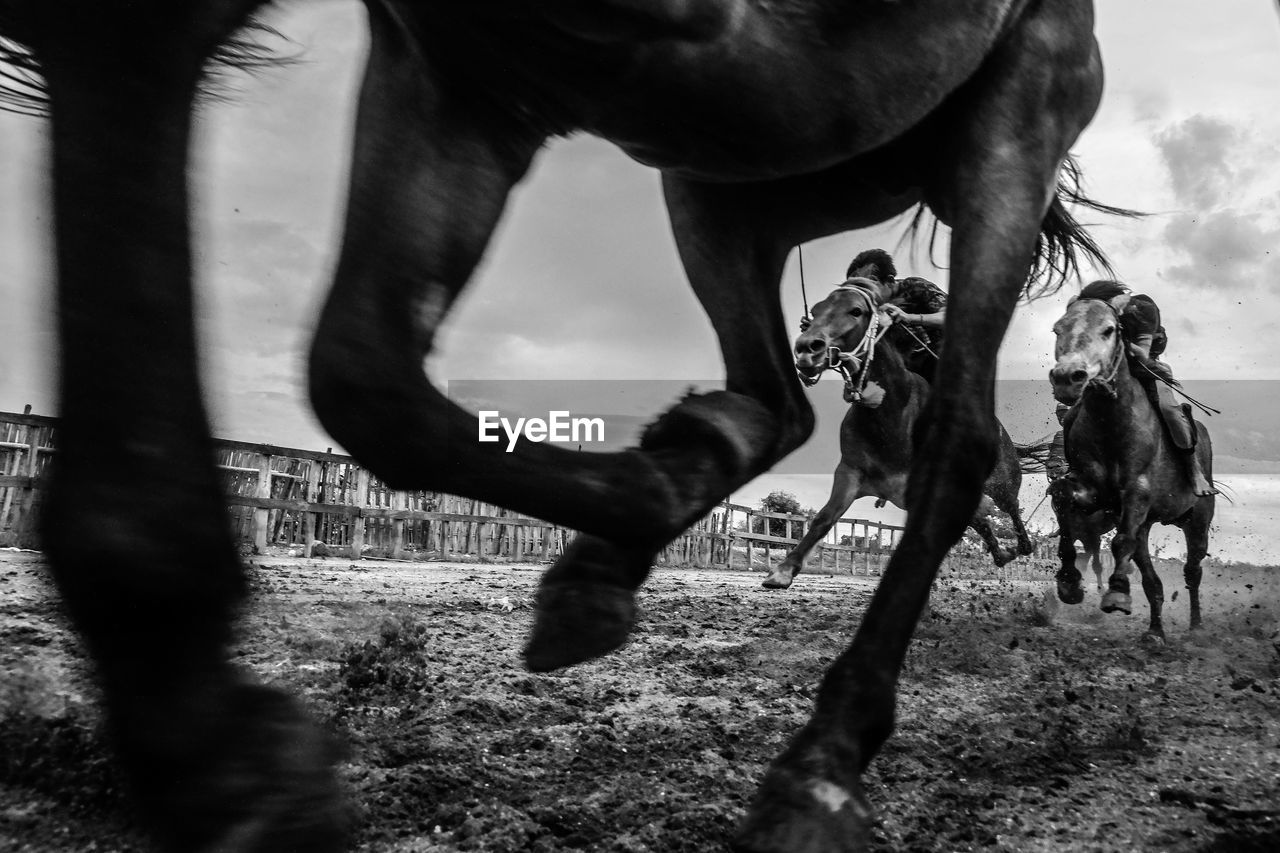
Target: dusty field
(1023, 726)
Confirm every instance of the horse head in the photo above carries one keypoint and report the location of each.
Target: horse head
(1088, 348)
(840, 329)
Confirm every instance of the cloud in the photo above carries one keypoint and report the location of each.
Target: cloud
(1226, 233)
(1197, 152)
(1225, 248)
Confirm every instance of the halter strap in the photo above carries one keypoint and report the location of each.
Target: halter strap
(865, 349)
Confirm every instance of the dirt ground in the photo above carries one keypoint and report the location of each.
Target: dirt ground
(1023, 725)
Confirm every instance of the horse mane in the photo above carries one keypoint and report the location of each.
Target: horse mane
(879, 260)
(1103, 290)
(1062, 244)
(23, 90)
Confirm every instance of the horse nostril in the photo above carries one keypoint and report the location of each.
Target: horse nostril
(812, 346)
(1078, 376)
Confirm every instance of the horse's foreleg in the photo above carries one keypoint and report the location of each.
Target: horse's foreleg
(134, 522)
(1070, 590)
(1134, 505)
(844, 491)
(431, 175)
(1151, 584)
(1024, 109)
(720, 440)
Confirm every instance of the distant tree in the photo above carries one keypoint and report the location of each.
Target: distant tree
(779, 501)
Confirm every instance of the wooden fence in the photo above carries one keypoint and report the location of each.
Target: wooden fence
(299, 500)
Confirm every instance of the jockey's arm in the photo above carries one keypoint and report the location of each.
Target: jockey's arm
(936, 320)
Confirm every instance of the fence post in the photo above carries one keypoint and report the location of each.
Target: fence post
(260, 514)
(357, 524)
(311, 496)
(25, 524)
(399, 500)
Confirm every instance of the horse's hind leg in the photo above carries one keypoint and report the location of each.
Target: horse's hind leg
(981, 524)
(1151, 584)
(1092, 543)
(1196, 532)
(134, 523)
(1024, 109)
(844, 491)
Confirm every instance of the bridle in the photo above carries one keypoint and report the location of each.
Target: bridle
(1117, 349)
(864, 351)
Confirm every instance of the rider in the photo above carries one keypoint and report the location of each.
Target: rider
(1146, 338)
(927, 303)
(1056, 465)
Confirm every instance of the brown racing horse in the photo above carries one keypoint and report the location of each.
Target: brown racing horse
(1121, 458)
(772, 124)
(875, 435)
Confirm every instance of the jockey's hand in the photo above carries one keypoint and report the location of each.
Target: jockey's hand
(805, 323)
(895, 313)
(850, 362)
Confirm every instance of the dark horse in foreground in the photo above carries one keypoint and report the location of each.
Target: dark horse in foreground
(875, 435)
(1122, 460)
(772, 124)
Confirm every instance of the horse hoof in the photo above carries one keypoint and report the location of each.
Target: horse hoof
(1113, 601)
(261, 780)
(1070, 593)
(779, 578)
(577, 622)
(798, 814)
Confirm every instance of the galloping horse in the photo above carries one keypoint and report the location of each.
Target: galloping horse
(875, 435)
(1121, 458)
(772, 124)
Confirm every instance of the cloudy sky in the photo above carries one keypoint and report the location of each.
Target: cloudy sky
(582, 280)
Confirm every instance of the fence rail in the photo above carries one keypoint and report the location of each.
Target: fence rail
(306, 500)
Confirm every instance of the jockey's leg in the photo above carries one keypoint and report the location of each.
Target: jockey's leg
(1181, 423)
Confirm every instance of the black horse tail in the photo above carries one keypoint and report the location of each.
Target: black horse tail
(252, 48)
(1063, 242)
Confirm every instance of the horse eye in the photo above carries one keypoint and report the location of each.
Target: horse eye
(856, 312)
(1108, 331)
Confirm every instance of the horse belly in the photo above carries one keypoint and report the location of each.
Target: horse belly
(784, 92)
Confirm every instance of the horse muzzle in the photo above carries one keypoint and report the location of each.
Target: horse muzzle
(1068, 381)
